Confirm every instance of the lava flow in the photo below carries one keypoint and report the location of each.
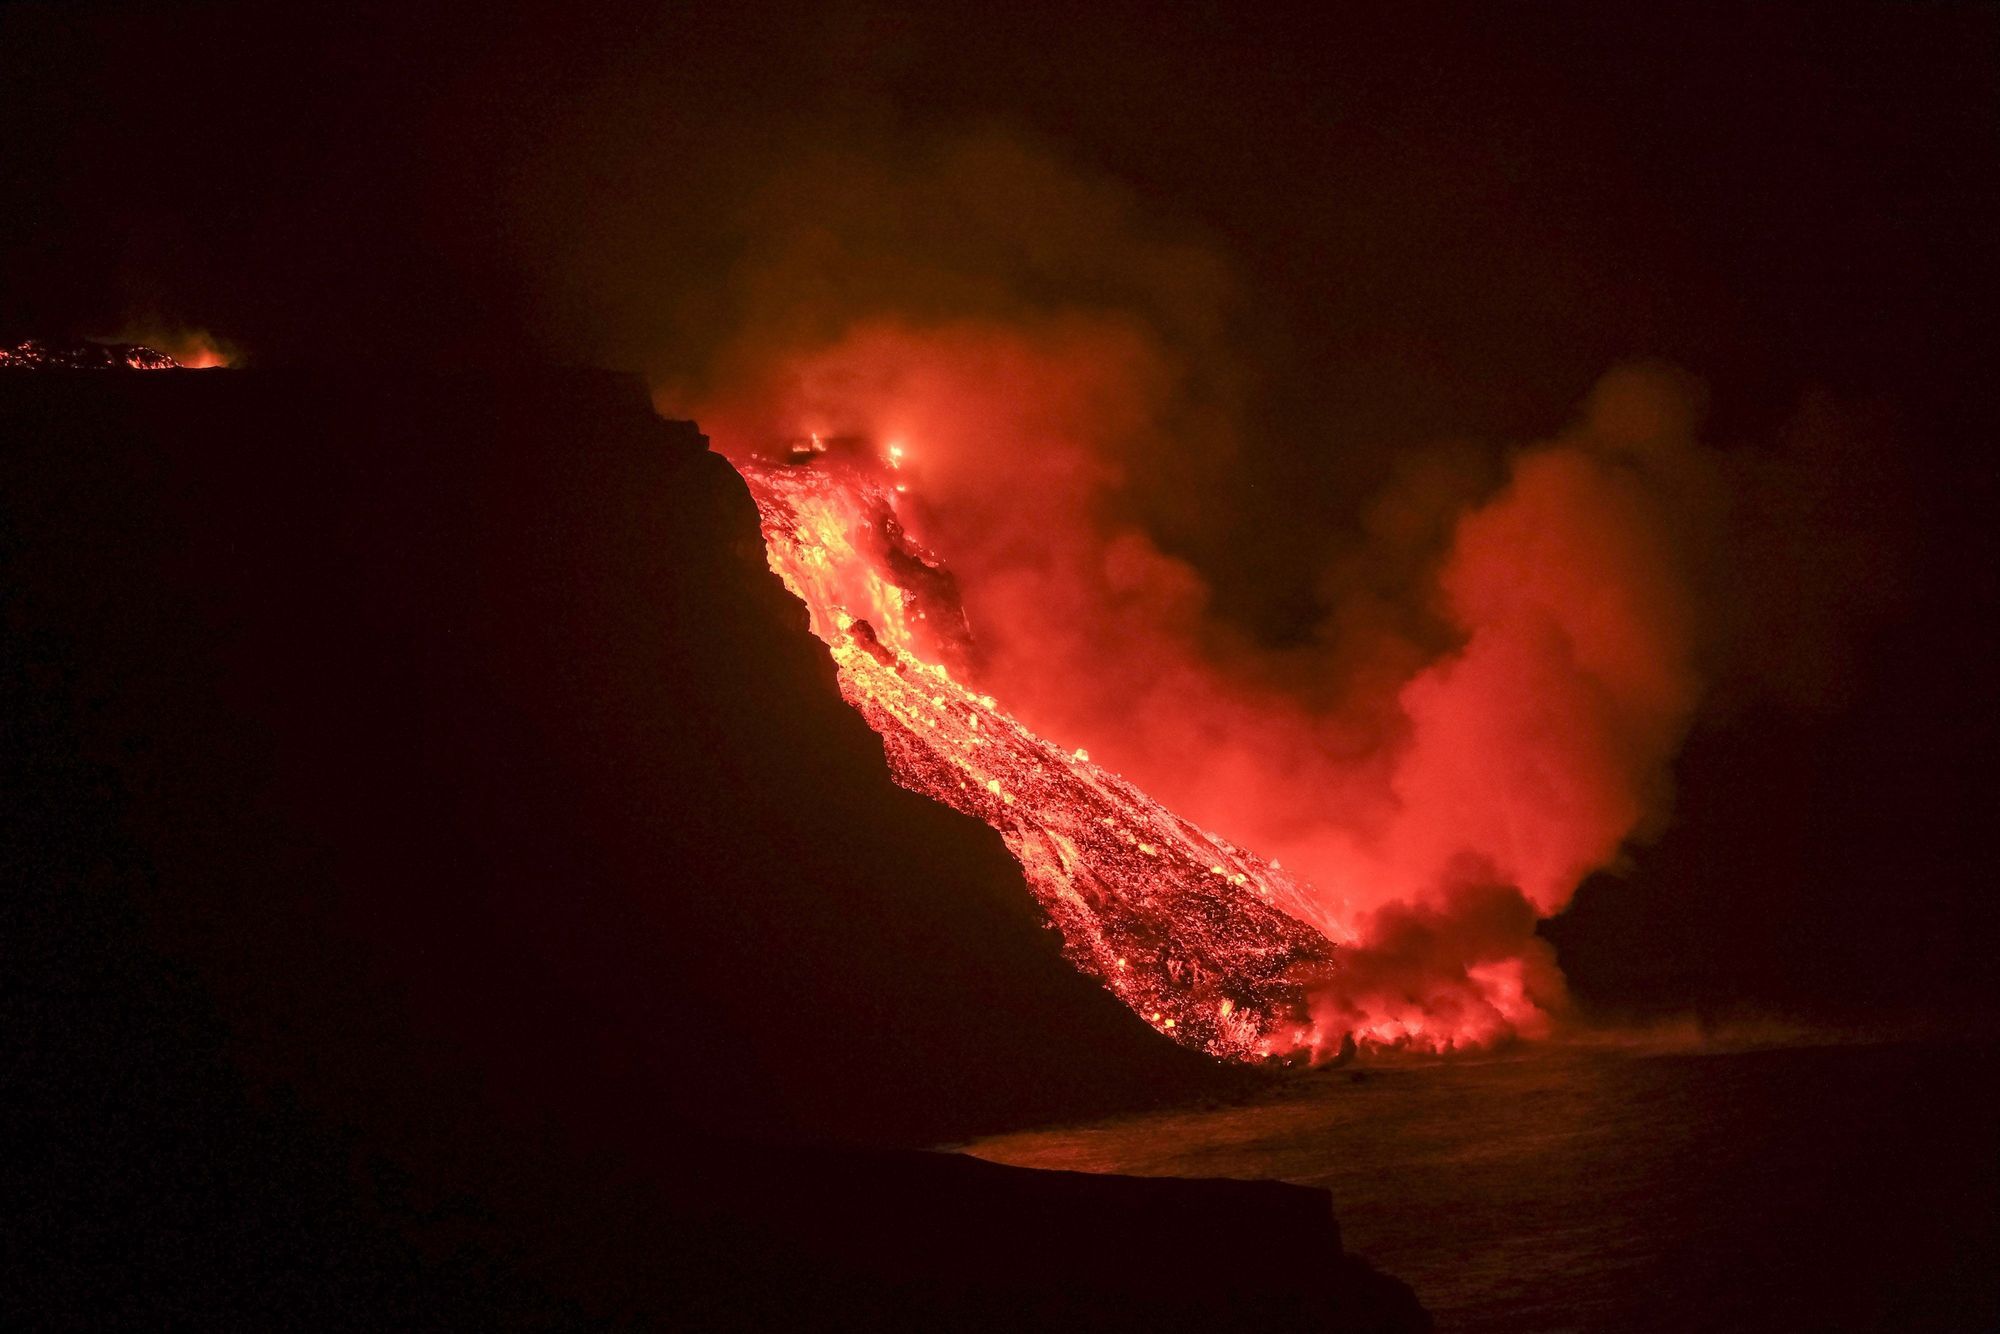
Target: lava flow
(75, 355)
(1213, 946)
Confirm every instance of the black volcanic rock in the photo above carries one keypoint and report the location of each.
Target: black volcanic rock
(436, 857)
(1009, 1249)
(463, 731)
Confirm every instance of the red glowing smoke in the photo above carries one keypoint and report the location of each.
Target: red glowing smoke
(1441, 800)
(192, 349)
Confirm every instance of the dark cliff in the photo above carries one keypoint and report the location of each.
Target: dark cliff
(426, 812)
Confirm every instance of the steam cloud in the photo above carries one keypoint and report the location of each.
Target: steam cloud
(1446, 754)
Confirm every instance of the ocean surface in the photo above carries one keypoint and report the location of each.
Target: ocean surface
(1830, 1187)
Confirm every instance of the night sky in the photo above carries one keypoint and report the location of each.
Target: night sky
(1382, 234)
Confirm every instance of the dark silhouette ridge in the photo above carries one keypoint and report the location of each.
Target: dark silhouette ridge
(442, 872)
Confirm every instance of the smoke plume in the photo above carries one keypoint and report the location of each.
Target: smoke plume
(1508, 650)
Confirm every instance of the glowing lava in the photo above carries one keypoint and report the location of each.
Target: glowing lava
(1213, 946)
(41, 354)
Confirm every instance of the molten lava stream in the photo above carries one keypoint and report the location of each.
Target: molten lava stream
(1213, 946)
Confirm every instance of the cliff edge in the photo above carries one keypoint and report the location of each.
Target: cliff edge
(433, 834)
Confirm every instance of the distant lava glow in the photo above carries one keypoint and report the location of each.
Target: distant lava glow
(38, 354)
(1210, 944)
(157, 351)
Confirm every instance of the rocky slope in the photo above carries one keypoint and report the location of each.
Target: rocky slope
(439, 857)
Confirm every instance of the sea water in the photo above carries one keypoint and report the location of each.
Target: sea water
(1811, 1187)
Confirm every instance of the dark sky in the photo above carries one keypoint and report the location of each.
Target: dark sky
(1409, 224)
(1430, 223)
(1471, 211)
